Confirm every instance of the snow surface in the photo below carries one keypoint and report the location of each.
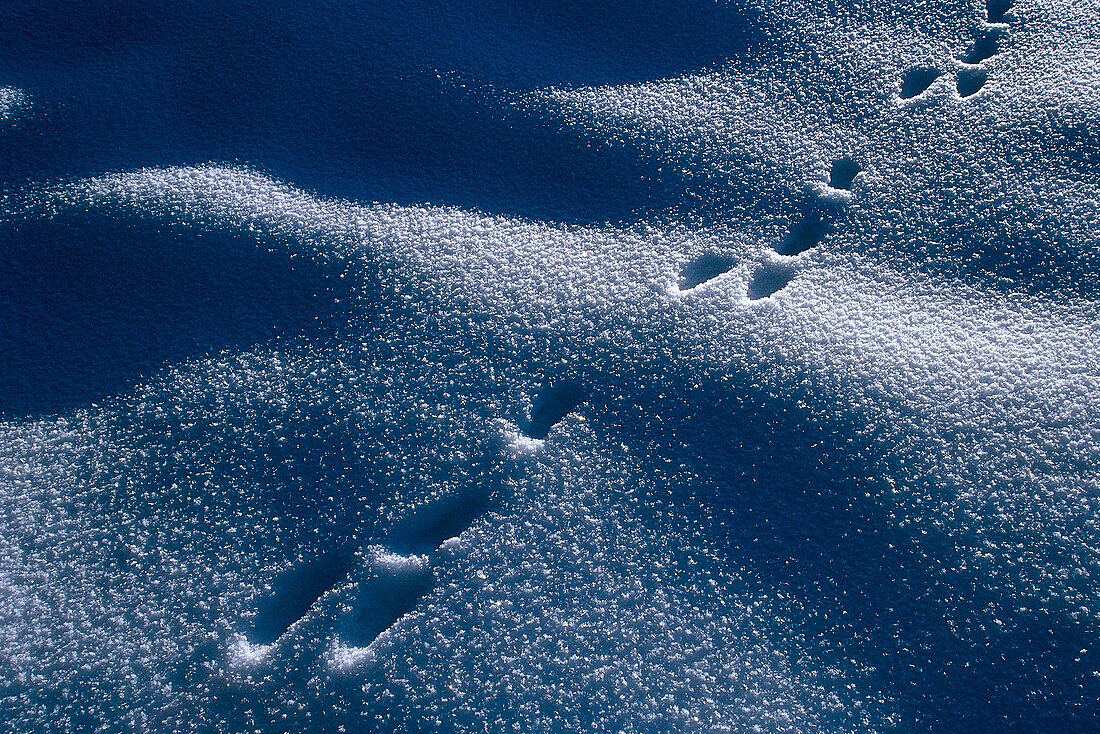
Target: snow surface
(605, 366)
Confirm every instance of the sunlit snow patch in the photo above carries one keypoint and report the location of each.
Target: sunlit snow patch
(13, 102)
(396, 564)
(243, 654)
(344, 658)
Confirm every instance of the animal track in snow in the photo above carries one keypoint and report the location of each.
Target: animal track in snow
(706, 267)
(427, 527)
(383, 582)
(768, 280)
(995, 10)
(986, 46)
(971, 81)
(843, 173)
(805, 235)
(917, 81)
(397, 576)
(390, 587)
(295, 591)
(556, 401)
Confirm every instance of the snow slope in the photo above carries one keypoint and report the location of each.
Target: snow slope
(694, 366)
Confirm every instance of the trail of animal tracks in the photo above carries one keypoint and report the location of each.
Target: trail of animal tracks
(606, 366)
